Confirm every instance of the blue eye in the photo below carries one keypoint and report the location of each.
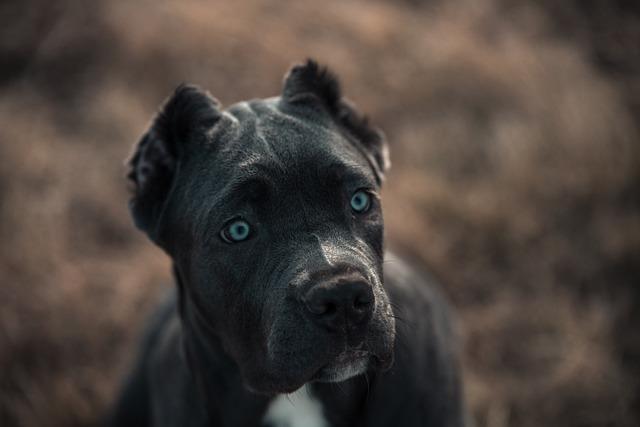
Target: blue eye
(236, 231)
(360, 201)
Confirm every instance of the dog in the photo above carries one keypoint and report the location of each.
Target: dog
(282, 314)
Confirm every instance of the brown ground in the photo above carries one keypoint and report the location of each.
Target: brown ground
(514, 133)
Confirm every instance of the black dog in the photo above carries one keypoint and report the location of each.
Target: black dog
(271, 214)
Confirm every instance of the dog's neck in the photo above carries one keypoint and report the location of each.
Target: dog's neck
(214, 374)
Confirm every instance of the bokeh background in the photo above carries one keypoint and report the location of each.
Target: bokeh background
(513, 127)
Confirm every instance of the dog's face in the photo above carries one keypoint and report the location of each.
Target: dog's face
(271, 213)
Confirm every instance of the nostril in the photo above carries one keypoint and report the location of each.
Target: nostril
(363, 298)
(325, 309)
(361, 304)
(321, 308)
(330, 308)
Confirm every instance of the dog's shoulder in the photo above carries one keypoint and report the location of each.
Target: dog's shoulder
(426, 365)
(426, 330)
(172, 390)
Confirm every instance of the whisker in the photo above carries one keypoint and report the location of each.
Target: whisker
(401, 319)
(396, 306)
(366, 377)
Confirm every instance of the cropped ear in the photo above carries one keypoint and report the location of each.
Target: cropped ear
(310, 82)
(185, 116)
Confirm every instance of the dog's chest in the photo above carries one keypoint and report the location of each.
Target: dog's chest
(298, 409)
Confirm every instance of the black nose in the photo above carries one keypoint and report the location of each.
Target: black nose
(340, 304)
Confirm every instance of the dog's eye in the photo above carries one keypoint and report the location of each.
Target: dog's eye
(360, 201)
(236, 231)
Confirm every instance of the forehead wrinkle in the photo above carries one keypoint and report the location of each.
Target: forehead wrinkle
(268, 145)
(287, 139)
(236, 190)
(254, 144)
(241, 186)
(346, 171)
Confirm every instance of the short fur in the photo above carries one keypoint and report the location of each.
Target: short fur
(243, 325)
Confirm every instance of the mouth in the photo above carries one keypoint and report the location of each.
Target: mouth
(346, 365)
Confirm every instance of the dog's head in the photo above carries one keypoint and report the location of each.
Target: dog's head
(271, 213)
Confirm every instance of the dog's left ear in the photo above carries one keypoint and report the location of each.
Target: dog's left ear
(310, 82)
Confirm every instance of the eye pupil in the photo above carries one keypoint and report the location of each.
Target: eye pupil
(360, 201)
(236, 231)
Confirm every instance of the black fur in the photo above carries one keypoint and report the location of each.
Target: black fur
(311, 82)
(304, 298)
(188, 113)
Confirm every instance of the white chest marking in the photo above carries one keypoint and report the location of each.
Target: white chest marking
(298, 409)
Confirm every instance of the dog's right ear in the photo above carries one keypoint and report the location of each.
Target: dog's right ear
(185, 117)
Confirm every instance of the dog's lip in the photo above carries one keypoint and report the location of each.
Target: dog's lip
(342, 361)
(276, 385)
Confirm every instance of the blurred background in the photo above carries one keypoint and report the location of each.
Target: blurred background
(513, 127)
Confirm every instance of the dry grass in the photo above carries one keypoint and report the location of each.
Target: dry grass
(515, 178)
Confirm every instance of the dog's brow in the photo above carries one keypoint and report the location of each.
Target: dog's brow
(350, 172)
(249, 186)
(253, 188)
